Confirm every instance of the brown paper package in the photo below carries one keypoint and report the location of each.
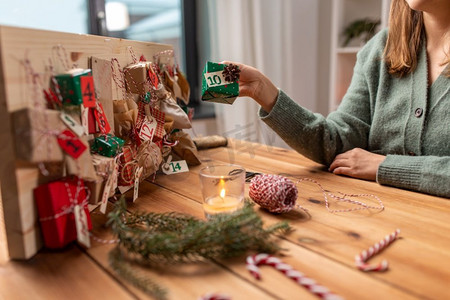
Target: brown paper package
(33, 141)
(136, 78)
(82, 166)
(185, 149)
(103, 165)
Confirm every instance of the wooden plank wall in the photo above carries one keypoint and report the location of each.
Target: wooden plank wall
(43, 49)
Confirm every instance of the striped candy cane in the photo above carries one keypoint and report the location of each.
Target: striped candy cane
(264, 259)
(213, 296)
(360, 259)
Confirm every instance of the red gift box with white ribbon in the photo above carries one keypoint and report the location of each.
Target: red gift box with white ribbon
(61, 204)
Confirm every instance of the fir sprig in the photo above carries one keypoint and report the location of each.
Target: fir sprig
(125, 269)
(153, 239)
(177, 238)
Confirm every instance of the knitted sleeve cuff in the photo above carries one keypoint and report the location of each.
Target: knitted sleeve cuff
(264, 114)
(401, 171)
(277, 117)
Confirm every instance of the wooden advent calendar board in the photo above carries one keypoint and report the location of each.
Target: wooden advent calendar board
(46, 52)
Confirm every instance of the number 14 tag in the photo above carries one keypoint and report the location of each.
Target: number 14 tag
(174, 167)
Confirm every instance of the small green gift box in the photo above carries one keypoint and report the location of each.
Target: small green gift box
(71, 86)
(216, 86)
(107, 145)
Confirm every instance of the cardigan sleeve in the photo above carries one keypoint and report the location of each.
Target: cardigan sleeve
(426, 174)
(320, 138)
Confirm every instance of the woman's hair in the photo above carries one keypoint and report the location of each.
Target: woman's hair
(405, 36)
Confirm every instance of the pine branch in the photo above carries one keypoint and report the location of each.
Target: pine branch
(124, 269)
(154, 239)
(175, 238)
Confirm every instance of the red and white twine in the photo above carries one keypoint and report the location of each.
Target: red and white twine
(361, 259)
(273, 192)
(278, 194)
(265, 259)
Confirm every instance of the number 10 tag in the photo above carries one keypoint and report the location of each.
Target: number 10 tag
(215, 79)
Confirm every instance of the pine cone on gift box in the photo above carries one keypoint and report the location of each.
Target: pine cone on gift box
(231, 73)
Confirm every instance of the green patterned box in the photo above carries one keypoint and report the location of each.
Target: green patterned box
(70, 85)
(214, 86)
(108, 145)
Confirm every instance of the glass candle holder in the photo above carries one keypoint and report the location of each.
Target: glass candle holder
(223, 188)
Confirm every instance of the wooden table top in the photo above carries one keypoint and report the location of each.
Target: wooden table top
(322, 246)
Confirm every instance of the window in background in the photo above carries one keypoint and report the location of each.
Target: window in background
(65, 15)
(158, 21)
(161, 21)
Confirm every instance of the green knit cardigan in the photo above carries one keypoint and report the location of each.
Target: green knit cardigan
(402, 118)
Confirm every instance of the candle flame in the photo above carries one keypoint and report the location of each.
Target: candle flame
(222, 193)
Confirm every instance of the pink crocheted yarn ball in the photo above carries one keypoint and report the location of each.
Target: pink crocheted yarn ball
(275, 193)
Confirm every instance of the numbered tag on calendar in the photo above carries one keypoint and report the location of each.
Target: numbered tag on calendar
(215, 79)
(71, 144)
(153, 77)
(148, 128)
(137, 177)
(101, 119)
(81, 225)
(88, 91)
(72, 124)
(106, 190)
(174, 167)
(85, 119)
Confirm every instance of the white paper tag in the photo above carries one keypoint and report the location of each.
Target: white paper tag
(72, 124)
(137, 176)
(148, 129)
(174, 167)
(215, 79)
(85, 119)
(116, 172)
(82, 226)
(106, 190)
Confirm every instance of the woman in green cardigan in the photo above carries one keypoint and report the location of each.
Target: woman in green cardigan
(393, 124)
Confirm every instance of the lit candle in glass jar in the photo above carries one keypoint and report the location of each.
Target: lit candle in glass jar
(223, 189)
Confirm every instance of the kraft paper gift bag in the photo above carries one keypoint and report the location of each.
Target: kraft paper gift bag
(171, 84)
(125, 115)
(169, 106)
(184, 86)
(185, 149)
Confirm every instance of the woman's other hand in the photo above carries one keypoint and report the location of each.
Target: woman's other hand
(357, 163)
(254, 84)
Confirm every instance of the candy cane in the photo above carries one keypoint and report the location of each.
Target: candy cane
(360, 259)
(213, 296)
(264, 259)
